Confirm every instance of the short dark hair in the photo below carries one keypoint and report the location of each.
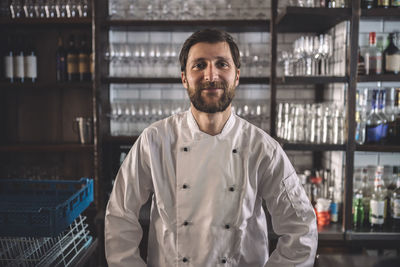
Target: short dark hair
(209, 36)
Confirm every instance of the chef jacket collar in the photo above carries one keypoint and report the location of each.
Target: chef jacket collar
(197, 134)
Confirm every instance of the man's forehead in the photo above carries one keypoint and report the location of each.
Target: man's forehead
(205, 50)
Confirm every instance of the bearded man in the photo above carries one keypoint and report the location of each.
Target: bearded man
(208, 172)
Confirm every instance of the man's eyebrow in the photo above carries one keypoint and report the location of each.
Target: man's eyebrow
(203, 59)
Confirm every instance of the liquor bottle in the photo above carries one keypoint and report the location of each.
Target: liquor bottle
(383, 3)
(360, 122)
(18, 62)
(374, 122)
(378, 201)
(395, 204)
(358, 210)
(397, 122)
(391, 57)
(84, 61)
(30, 63)
(72, 61)
(395, 3)
(391, 111)
(8, 60)
(366, 191)
(61, 62)
(373, 57)
(383, 116)
(367, 3)
(360, 63)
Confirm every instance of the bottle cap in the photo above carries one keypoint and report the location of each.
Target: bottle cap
(372, 37)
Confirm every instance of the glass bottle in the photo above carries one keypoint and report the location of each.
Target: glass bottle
(378, 201)
(374, 122)
(391, 57)
(18, 62)
(84, 60)
(383, 116)
(358, 212)
(395, 203)
(8, 60)
(72, 61)
(61, 61)
(391, 115)
(397, 122)
(395, 3)
(373, 57)
(383, 3)
(360, 121)
(30, 62)
(360, 63)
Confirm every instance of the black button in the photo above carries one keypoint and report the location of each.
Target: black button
(223, 261)
(185, 259)
(231, 189)
(185, 223)
(227, 226)
(185, 186)
(185, 149)
(234, 150)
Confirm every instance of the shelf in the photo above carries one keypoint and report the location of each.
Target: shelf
(378, 148)
(45, 85)
(109, 80)
(332, 231)
(373, 236)
(303, 19)
(189, 25)
(66, 147)
(381, 13)
(311, 80)
(46, 22)
(379, 78)
(309, 147)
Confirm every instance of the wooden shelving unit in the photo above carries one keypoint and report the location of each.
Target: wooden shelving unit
(302, 19)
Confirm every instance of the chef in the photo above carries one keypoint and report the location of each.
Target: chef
(208, 172)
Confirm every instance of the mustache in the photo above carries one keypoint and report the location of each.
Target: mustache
(213, 85)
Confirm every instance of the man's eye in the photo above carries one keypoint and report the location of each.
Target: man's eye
(199, 66)
(223, 64)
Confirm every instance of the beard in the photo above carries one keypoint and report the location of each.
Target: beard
(213, 106)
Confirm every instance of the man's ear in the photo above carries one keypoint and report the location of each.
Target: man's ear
(237, 77)
(184, 80)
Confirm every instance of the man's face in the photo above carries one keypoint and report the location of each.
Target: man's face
(211, 76)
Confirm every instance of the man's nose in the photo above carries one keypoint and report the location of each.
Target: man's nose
(210, 73)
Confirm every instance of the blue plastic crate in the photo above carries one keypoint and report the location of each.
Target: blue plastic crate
(30, 208)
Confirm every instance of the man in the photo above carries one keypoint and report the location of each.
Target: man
(208, 172)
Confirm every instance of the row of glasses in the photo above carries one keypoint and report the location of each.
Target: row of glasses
(143, 59)
(161, 59)
(322, 123)
(187, 9)
(47, 9)
(319, 3)
(254, 111)
(311, 56)
(131, 117)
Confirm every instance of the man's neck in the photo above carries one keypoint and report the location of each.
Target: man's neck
(211, 123)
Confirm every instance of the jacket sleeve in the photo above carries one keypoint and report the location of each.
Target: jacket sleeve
(132, 189)
(293, 217)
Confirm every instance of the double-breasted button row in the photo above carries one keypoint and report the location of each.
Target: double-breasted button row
(186, 149)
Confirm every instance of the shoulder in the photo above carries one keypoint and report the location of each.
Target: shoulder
(165, 128)
(255, 136)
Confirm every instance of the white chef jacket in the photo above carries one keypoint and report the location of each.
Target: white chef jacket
(207, 199)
